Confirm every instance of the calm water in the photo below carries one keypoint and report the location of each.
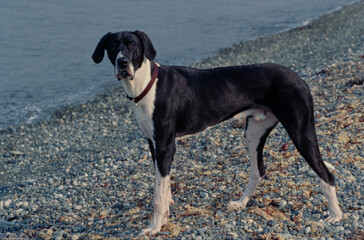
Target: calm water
(46, 46)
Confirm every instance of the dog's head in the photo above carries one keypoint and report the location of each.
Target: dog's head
(126, 51)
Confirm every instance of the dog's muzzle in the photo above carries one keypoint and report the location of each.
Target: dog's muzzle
(123, 69)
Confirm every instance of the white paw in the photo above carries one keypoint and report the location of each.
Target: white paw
(236, 205)
(150, 231)
(333, 218)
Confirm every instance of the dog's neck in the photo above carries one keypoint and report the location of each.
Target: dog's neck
(141, 79)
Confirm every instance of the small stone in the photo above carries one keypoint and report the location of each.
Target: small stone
(282, 204)
(351, 179)
(46, 235)
(329, 228)
(16, 153)
(355, 216)
(78, 207)
(280, 237)
(7, 203)
(308, 230)
(49, 232)
(232, 215)
(228, 226)
(25, 205)
(316, 217)
(234, 234)
(306, 193)
(58, 234)
(355, 224)
(75, 237)
(204, 195)
(340, 228)
(286, 236)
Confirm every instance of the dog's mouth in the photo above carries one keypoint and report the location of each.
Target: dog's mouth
(124, 74)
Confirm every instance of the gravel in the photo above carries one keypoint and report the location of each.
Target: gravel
(87, 172)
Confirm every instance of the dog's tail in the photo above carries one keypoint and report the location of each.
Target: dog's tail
(293, 107)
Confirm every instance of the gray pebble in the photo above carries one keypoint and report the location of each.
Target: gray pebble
(7, 203)
(204, 195)
(282, 204)
(316, 217)
(340, 228)
(16, 153)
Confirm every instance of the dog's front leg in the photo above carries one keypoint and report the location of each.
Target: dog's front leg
(161, 204)
(162, 190)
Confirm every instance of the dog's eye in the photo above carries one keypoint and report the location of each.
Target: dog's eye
(131, 45)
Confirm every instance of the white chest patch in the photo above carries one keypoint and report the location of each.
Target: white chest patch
(144, 113)
(144, 109)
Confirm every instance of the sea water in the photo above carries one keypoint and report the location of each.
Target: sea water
(46, 46)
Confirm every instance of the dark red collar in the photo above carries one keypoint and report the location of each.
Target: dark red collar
(147, 88)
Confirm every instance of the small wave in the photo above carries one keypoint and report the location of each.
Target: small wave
(34, 111)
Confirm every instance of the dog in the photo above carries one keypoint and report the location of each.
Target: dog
(171, 102)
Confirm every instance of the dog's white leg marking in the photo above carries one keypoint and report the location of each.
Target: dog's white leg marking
(335, 214)
(170, 199)
(162, 198)
(252, 184)
(258, 126)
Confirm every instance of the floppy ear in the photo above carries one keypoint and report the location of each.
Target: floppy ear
(149, 50)
(99, 52)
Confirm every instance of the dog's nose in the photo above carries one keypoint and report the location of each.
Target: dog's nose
(122, 62)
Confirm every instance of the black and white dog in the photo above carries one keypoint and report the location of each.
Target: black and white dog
(171, 102)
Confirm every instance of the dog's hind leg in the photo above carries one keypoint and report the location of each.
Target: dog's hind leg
(334, 209)
(257, 130)
(301, 129)
(306, 144)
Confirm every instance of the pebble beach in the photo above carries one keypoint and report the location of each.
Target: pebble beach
(87, 173)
